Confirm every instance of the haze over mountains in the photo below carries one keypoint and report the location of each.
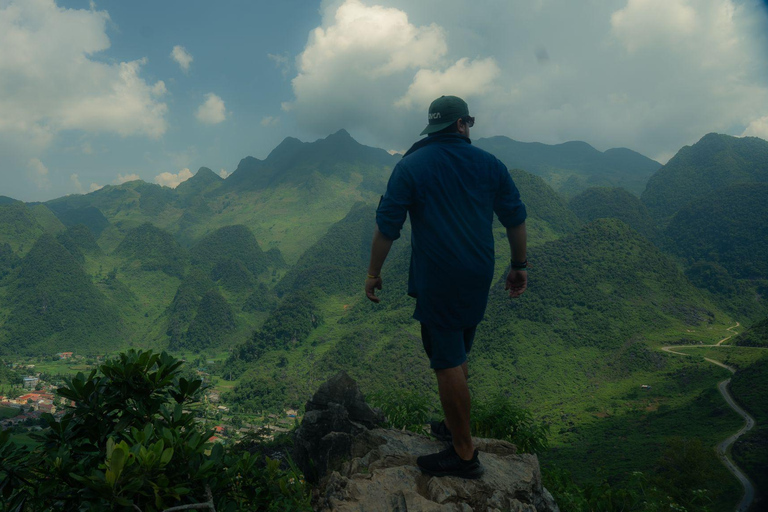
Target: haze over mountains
(238, 233)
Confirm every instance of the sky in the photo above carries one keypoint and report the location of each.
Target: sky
(98, 93)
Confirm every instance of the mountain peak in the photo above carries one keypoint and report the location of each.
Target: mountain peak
(340, 135)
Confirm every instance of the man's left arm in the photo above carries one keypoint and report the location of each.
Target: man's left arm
(379, 250)
(390, 216)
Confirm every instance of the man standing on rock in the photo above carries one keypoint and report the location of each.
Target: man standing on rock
(451, 190)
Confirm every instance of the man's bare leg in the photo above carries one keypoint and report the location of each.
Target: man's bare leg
(454, 396)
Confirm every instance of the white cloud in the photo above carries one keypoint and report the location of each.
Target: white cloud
(95, 186)
(654, 22)
(50, 82)
(38, 173)
(182, 57)
(212, 111)
(282, 62)
(358, 63)
(75, 179)
(223, 173)
(168, 179)
(651, 75)
(159, 88)
(270, 121)
(428, 84)
(125, 178)
(757, 128)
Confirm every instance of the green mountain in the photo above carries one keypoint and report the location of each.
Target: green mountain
(710, 165)
(230, 243)
(55, 306)
(632, 286)
(548, 214)
(8, 200)
(18, 227)
(89, 216)
(755, 336)
(8, 260)
(574, 166)
(153, 249)
(333, 265)
(212, 322)
(727, 227)
(203, 182)
(603, 202)
(301, 163)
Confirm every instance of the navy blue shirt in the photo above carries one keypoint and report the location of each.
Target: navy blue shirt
(451, 190)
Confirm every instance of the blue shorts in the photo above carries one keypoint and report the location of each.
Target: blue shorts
(445, 348)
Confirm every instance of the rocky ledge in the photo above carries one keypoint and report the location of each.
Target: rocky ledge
(359, 467)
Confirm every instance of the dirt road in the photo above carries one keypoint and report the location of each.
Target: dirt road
(749, 422)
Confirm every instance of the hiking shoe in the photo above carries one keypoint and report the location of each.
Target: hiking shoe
(440, 431)
(448, 463)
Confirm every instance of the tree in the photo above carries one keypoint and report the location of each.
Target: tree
(131, 442)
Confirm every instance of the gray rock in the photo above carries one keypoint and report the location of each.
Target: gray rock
(361, 468)
(335, 415)
(381, 476)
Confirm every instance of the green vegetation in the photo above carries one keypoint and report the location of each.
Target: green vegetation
(56, 307)
(629, 280)
(131, 441)
(710, 165)
(603, 202)
(755, 336)
(750, 388)
(262, 273)
(241, 246)
(574, 166)
(18, 227)
(153, 249)
(726, 227)
(213, 320)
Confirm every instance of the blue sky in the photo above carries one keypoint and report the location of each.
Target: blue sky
(90, 93)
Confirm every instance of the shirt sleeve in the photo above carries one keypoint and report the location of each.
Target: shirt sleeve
(394, 204)
(507, 203)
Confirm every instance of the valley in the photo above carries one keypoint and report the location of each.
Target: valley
(255, 282)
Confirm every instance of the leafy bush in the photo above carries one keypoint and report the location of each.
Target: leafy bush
(131, 441)
(499, 418)
(406, 410)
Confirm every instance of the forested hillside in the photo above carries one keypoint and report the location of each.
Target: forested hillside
(572, 167)
(603, 202)
(258, 278)
(53, 306)
(713, 163)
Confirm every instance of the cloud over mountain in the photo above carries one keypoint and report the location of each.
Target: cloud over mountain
(650, 74)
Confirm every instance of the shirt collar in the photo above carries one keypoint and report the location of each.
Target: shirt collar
(444, 138)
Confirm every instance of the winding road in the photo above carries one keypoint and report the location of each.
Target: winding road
(749, 422)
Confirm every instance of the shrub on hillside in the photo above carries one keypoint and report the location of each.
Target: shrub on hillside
(131, 442)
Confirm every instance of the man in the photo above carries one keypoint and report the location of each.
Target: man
(451, 190)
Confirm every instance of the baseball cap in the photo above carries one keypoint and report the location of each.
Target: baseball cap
(444, 111)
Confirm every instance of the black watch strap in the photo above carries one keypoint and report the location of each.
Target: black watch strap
(519, 265)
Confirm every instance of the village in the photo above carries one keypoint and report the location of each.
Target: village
(22, 407)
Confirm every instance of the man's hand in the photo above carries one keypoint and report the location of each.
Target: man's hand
(371, 285)
(517, 282)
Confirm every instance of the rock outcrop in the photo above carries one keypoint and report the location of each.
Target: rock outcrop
(359, 467)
